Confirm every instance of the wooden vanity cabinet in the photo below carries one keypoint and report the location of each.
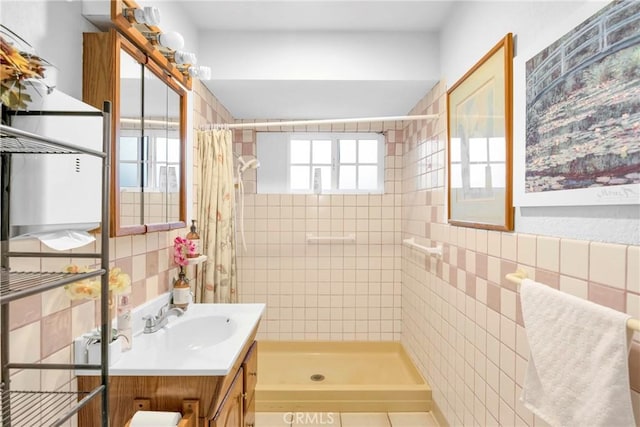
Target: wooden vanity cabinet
(224, 401)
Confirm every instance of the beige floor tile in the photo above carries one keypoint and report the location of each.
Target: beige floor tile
(362, 419)
(273, 419)
(314, 419)
(412, 419)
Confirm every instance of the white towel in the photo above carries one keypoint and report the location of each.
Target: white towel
(155, 419)
(578, 373)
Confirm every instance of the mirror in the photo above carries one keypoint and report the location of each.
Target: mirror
(150, 149)
(130, 150)
(149, 110)
(161, 192)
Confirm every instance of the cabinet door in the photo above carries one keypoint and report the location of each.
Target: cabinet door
(250, 369)
(231, 411)
(250, 413)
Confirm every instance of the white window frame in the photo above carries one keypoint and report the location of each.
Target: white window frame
(335, 137)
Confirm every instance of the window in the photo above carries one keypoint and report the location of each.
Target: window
(150, 163)
(478, 166)
(315, 162)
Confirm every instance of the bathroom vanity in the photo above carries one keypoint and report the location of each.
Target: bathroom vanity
(208, 356)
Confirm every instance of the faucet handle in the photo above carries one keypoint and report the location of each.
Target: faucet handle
(149, 320)
(163, 310)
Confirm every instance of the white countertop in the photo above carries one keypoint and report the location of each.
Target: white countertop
(207, 346)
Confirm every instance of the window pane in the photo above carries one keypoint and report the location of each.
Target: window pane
(322, 152)
(477, 175)
(326, 177)
(497, 150)
(128, 175)
(456, 175)
(498, 175)
(347, 180)
(173, 152)
(300, 151)
(368, 151)
(161, 150)
(348, 152)
(299, 177)
(128, 148)
(455, 150)
(478, 149)
(367, 177)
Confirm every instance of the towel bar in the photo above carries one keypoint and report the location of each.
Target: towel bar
(519, 275)
(351, 238)
(437, 251)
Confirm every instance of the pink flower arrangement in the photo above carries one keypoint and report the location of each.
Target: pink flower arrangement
(181, 248)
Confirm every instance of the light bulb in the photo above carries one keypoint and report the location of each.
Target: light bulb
(181, 57)
(148, 15)
(171, 40)
(201, 72)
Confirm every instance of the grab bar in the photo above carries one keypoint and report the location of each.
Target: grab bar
(520, 275)
(351, 238)
(437, 251)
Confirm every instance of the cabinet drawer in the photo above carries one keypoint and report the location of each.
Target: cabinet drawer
(250, 369)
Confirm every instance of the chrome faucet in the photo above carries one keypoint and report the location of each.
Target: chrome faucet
(153, 323)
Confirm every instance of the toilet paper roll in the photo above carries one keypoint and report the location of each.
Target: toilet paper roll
(155, 419)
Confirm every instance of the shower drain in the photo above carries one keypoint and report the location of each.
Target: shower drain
(317, 377)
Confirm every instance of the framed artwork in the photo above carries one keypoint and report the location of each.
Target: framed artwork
(479, 155)
(583, 114)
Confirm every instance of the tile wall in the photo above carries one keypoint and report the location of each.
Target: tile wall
(461, 320)
(324, 292)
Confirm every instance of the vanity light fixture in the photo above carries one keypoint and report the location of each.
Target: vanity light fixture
(200, 71)
(148, 15)
(181, 57)
(170, 40)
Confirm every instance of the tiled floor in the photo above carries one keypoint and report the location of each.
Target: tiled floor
(345, 419)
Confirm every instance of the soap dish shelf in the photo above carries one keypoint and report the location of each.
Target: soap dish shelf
(197, 260)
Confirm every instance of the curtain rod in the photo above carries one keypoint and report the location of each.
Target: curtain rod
(323, 121)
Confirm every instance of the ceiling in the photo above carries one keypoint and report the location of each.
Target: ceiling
(233, 38)
(313, 15)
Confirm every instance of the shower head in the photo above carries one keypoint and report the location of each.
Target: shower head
(249, 164)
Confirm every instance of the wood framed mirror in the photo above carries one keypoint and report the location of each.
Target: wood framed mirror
(148, 134)
(479, 151)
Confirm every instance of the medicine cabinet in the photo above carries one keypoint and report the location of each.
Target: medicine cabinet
(148, 128)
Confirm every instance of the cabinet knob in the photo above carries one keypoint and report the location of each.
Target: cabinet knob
(250, 425)
(253, 374)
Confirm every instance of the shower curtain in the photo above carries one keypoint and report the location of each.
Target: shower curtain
(216, 214)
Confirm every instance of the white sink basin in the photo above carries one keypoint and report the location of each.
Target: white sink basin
(199, 332)
(206, 340)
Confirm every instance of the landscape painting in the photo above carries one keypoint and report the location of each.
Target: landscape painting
(583, 108)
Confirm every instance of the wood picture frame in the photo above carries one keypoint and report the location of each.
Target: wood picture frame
(480, 143)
